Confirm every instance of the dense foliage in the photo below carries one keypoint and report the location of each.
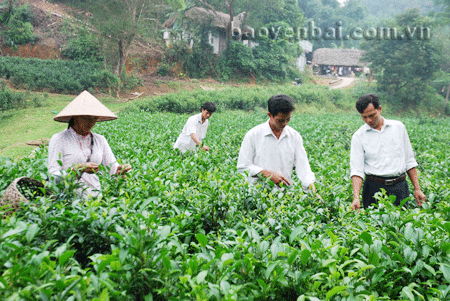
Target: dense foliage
(17, 22)
(55, 75)
(273, 58)
(83, 47)
(186, 227)
(13, 100)
(243, 99)
(406, 66)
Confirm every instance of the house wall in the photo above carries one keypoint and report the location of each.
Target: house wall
(223, 43)
(301, 62)
(214, 40)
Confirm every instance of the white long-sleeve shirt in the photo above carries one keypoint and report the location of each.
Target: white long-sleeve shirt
(71, 149)
(387, 152)
(260, 150)
(193, 125)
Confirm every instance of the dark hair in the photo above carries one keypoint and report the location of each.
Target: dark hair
(364, 101)
(280, 103)
(71, 122)
(209, 106)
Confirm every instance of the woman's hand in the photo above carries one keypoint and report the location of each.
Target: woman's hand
(121, 169)
(88, 167)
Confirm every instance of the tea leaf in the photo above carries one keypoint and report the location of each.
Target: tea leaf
(334, 291)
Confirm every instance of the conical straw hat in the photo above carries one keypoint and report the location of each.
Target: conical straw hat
(85, 104)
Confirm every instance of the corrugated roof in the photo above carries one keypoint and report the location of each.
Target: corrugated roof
(338, 57)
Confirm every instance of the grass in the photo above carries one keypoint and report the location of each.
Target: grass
(20, 126)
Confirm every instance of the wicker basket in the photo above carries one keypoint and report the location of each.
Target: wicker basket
(22, 190)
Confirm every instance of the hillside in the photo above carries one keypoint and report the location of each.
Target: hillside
(48, 22)
(54, 24)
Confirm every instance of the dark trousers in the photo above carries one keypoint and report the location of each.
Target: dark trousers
(400, 190)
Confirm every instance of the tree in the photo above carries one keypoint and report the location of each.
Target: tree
(264, 12)
(404, 67)
(257, 13)
(122, 21)
(327, 14)
(390, 8)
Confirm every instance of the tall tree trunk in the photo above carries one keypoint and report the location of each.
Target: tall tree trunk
(123, 44)
(10, 7)
(121, 60)
(229, 26)
(446, 98)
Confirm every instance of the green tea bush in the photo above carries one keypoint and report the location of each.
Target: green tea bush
(9, 99)
(13, 100)
(60, 76)
(188, 227)
(240, 98)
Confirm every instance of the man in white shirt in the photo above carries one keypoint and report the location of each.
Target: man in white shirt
(194, 131)
(273, 148)
(381, 151)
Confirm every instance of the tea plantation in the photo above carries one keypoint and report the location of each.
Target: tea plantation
(187, 227)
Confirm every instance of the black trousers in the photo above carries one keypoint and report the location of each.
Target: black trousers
(400, 190)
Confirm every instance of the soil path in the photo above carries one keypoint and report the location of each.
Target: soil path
(346, 81)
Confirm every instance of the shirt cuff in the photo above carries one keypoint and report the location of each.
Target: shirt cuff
(307, 182)
(357, 173)
(410, 165)
(113, 168)
(254, 170)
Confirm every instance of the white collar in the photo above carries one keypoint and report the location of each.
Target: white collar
(267, 130)
(386, 122)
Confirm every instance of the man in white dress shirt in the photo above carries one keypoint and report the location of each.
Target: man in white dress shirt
(194, 131)
(382, 153)
(273, 148)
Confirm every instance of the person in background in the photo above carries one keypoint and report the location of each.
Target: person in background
(194, 131)
(80, 149)
(382, 153)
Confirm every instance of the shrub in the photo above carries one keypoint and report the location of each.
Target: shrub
(240, 99)
(164, 68)
(60, 76)
(83, 47)
(13, 100)
(20, 30)
(236, 59)
(9, 99)
(131, 81)
(199, 62)
(272, 59)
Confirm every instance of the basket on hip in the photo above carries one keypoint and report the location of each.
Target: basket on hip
(22, 190)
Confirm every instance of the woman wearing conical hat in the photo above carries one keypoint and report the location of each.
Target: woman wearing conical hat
(80, 149)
